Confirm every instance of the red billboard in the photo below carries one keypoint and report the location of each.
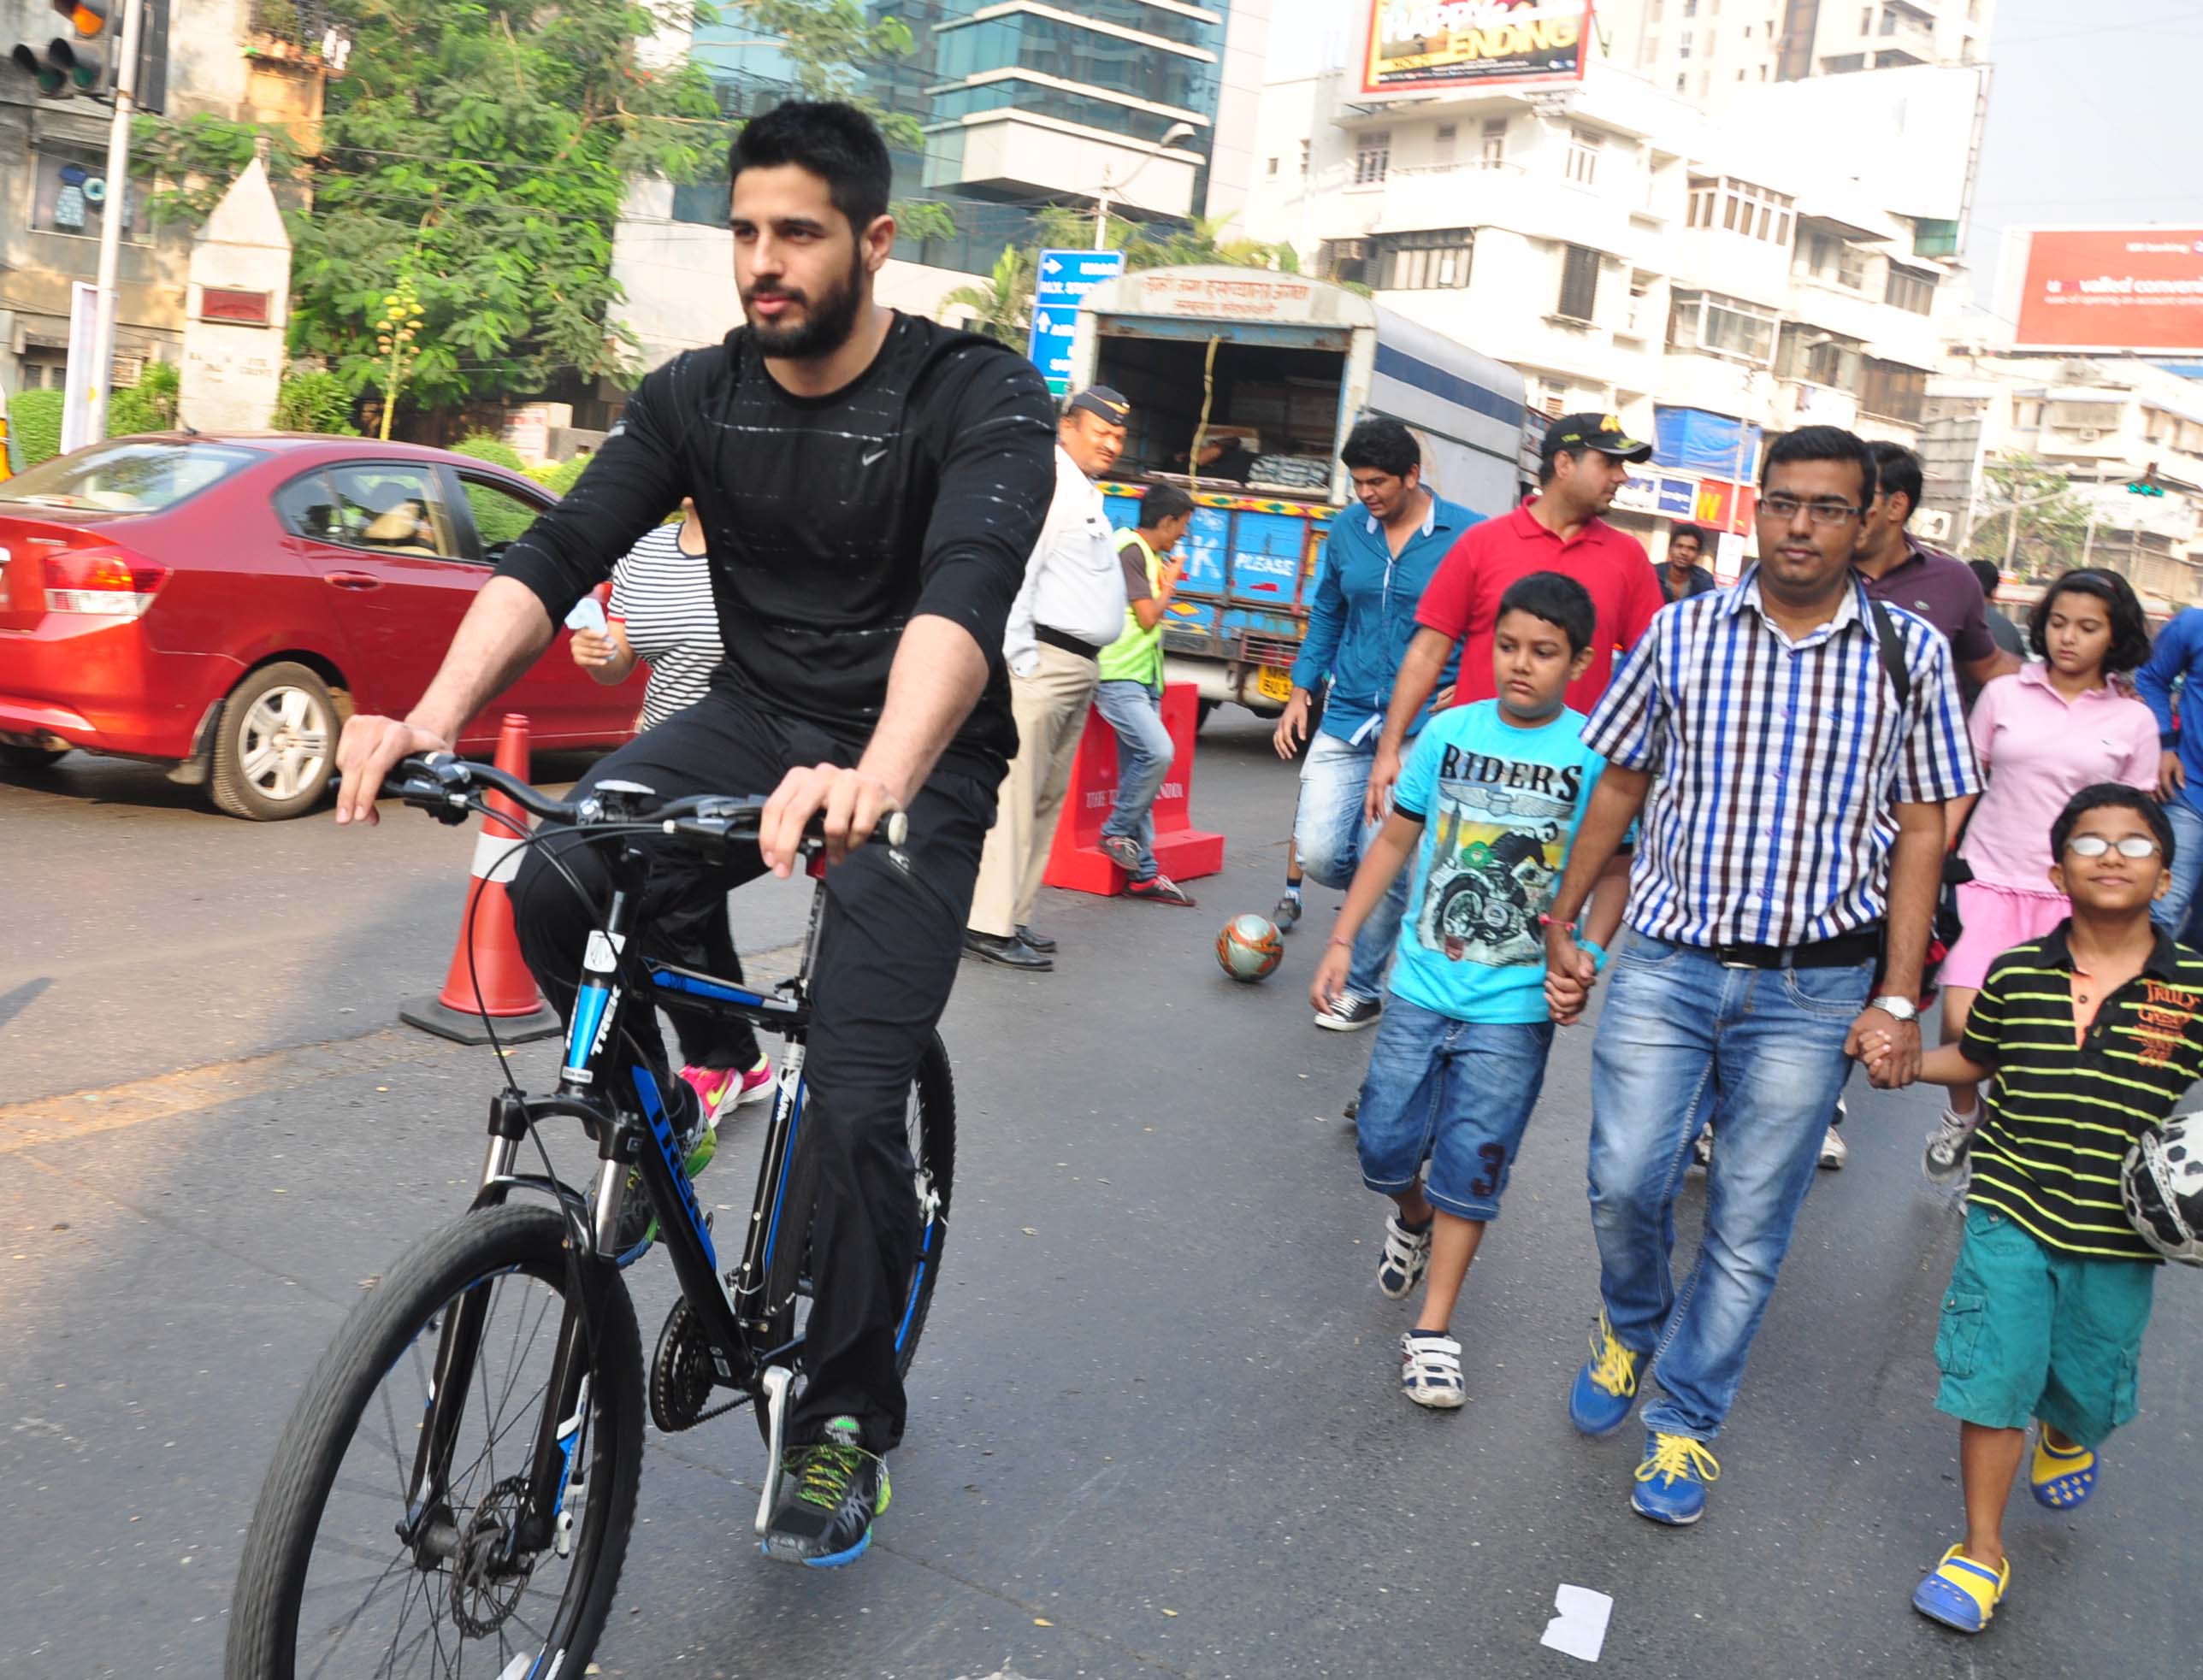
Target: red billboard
(1426, 46)
(2109, 288)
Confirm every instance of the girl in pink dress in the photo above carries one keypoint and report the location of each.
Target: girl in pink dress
(2042, 735)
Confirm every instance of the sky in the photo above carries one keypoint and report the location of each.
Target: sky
(2088, 118)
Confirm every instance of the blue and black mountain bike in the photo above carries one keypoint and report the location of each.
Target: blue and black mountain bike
(454, 1490)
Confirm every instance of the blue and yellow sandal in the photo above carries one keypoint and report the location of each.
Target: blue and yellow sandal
(1960, 1593)
(2061, 1480)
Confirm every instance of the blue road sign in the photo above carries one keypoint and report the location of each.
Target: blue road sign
(1066, 277)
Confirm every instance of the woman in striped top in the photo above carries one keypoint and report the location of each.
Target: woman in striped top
(662, 614)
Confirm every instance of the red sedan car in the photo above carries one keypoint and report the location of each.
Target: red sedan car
(222, 602)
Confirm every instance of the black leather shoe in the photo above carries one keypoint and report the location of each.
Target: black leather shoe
(1040, 942)
(1011, 953)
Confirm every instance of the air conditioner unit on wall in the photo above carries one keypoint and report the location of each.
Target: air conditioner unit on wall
(1933, 524)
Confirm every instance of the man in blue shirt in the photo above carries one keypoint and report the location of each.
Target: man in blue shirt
(1375, 566)
(2173, 662)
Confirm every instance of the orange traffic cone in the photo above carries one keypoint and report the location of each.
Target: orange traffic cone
(508, 994)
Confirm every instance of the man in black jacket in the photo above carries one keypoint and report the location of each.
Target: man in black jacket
(870, 484)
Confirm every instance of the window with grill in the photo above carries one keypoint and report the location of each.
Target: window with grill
(1373, 156)
(1583, 156)
(1722, 326)
(1893, 390)
(1578, 283)
(1739, 206)
(1911, 289)
(1426, 261)
(1495, 142)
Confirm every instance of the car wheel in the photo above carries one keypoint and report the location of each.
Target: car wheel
(30, 758)
(276, 745)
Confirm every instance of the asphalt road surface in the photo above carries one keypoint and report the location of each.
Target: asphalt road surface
(1155, 1426)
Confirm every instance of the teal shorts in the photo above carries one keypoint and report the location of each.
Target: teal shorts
(2030, 1332)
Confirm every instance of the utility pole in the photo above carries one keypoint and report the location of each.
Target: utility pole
(118, 201)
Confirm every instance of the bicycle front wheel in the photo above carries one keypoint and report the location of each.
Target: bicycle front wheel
(328, 1589)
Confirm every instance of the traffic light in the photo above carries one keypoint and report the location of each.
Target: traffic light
(68, 65)
(2146, 484)
(85, 59)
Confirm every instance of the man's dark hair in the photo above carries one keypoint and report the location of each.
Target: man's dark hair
(1821, 443)
(1384, 444)
(2129, 648)
(1697, 533)
(1897, 470)
(1163, 501)
(836, 142)
(1990, 574)
(2103, 794)
(1558, 599)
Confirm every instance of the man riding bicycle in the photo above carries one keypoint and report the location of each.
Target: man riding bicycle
(870, 484)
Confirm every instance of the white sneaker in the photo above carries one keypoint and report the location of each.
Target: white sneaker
(1407, 1253)
(1834, 1152)
(1429, 1370)
(1944, 1157)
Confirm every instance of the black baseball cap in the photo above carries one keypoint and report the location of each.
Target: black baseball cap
(1100, 399)
(1601, 432)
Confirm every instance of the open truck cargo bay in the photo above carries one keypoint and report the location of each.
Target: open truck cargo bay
(1289, 365)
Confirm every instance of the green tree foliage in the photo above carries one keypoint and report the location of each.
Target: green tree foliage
(492, 139)
(481, 446)
(314, 402)
(2029, 512)
(1002, 308)
(34, 427)
(148, 406)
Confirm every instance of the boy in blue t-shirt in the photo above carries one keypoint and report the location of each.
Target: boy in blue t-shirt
(1488, 803)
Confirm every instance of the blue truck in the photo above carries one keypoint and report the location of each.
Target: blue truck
(1268, 372)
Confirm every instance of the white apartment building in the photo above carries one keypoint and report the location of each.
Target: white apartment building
(1706, 277)
(1704, 51)
(2107, 422)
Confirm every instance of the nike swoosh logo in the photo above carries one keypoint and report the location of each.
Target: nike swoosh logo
(872, 457)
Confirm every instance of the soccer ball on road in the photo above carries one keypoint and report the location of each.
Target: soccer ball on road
(1249, 948)
(2162, 1185)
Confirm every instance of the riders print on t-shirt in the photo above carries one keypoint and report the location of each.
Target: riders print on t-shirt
(1499, 806)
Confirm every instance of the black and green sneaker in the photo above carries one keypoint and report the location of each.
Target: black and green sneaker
(829, 1495)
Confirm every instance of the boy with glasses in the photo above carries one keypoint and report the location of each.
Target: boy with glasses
(2091, 1036)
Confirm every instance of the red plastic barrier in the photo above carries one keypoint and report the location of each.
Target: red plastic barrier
(1184, 852)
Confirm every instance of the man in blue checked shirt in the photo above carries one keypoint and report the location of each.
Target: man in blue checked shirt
(1376, 563)
(1791, 743)
(2167, 683)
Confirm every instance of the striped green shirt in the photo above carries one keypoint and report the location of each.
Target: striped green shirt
(2062, 1115)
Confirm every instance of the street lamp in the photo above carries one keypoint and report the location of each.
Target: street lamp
(1176, 131)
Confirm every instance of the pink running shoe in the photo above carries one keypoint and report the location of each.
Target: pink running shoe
(724, 1088)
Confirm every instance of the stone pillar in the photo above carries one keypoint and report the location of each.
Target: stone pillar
(236, 309)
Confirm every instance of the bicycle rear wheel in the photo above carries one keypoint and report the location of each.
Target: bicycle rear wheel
(326, 1588)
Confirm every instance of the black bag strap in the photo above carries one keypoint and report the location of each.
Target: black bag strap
(1893, 651)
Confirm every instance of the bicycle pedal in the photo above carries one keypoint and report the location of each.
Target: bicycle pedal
(776, 1382)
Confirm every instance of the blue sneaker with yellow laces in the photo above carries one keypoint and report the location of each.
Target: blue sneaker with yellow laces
(1671, 1482)
(1605, 1390)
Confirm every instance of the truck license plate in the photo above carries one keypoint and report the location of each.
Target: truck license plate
(1273, 684)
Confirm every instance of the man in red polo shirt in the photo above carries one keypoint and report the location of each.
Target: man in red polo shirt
(1560, 530)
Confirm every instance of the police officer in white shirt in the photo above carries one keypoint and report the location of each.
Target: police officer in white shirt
(1072, 607)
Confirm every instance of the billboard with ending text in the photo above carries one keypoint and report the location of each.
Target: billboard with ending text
(1419, 46)
(2106, 288)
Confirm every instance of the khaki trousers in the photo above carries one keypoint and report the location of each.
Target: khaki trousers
(1050, 707)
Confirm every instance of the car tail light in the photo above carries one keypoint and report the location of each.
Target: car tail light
(114, 585)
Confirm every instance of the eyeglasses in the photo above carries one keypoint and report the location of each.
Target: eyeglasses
(1784, 507)
(2128, 845)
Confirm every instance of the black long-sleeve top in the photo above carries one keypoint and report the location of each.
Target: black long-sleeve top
(831, 522)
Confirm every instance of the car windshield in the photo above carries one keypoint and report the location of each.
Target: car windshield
(136, 475)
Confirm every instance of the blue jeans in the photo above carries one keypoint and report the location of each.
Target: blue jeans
(1763, 1050)
(1135, 711)
(2173, 911)
(1331, 835)
(1459, 1093)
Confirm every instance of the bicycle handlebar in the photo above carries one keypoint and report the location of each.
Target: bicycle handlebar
(440, 783)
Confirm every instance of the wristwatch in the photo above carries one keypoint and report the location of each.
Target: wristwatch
(1896, 1008)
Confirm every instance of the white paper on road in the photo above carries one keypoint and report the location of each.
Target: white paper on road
(1580, 1628)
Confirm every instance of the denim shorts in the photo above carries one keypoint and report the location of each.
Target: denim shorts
(1457, 1091)
(2029, 1331)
